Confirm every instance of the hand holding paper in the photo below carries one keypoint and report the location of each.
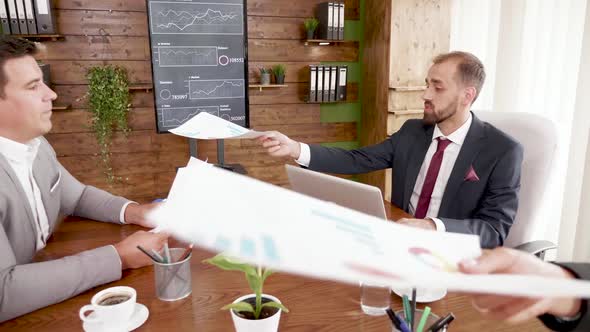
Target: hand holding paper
(208, 126)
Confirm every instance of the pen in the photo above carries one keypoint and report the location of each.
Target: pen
(423, 320)
(167, 258)
(186, 253)
(439, 324)
(403, 327)
(407, 313)
(412, 326)
(147, 253)
(160, 259)
(393, 318)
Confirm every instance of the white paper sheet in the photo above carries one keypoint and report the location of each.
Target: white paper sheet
(275, 227)
(208, 126)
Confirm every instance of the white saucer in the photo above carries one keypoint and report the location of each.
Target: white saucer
(140, 315)
(422, 294)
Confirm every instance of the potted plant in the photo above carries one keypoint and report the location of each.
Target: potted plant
(108, 92)
(310, 25)
(255, 312)
(264, 76)
(279, 72)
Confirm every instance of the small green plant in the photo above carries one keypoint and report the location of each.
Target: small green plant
(264, 70)
(311, 24)
(279, 70)
(254, 276)
(108, 93)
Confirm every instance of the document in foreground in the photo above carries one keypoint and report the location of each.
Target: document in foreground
(208, 126)
(287, 231)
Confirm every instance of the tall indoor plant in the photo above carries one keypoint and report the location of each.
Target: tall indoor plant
(255, 312)
(108, 92)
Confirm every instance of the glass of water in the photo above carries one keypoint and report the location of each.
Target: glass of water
(375, 299)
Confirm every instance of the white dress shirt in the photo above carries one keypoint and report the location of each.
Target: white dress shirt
(446, 167)
(21, 157)
(449, 158)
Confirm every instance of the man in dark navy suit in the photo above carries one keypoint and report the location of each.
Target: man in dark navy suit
(451, 171)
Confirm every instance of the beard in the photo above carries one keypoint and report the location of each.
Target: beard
(439, 116)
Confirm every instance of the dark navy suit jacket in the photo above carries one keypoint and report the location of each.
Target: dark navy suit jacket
(485, 207)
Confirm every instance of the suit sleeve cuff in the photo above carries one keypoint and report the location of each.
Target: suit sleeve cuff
(122, 213)
(440, 226)
(304, 156)
(118, 257)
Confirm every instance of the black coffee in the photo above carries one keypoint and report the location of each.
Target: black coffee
(112, 299)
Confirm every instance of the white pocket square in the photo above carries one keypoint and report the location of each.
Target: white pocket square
(53, 186)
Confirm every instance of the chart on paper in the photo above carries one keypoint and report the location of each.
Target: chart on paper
(173, 117)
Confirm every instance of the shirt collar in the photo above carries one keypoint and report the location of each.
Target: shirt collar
(19, 152)
(458, 136)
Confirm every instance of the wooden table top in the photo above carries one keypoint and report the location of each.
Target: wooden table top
(315, 305)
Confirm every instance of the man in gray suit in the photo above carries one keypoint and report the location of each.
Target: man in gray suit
(451, 171)
(35, 190)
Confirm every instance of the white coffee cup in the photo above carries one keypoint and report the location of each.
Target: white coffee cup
(114, 317)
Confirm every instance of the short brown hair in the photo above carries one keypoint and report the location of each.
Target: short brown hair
(12, 48)
(469, 67)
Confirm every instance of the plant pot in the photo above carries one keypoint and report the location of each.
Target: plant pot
(269, 324)
(310, 34)
(265, 78)
(280, 79)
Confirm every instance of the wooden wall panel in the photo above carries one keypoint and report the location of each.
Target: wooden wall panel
(116, 32)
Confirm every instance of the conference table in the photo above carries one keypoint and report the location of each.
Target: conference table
(315, 305)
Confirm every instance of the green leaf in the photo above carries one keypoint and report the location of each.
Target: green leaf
(226, 263)
(254, 282)
(275, 305)
(239, 306)
(266, 274)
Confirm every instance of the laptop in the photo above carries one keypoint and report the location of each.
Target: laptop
(354, 195)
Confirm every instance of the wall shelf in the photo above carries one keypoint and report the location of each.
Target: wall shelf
(61, 107)
(146, 86)
(408, 88)
(52, 37)
(406, 112)
(326, 42)
(266, 86)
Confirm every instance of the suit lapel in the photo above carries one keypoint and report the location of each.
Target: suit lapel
(19, 188)
(473, 144)
(418, 152)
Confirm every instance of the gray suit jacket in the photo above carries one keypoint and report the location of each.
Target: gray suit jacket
(486, 207)
(26, 286)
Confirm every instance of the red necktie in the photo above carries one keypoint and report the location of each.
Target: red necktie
(431, 175)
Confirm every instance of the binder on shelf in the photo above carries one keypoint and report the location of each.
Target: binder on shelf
(324, 14)
(4, 18)
(44, 17)
(313, 73)
(326, 95)
(22, 18)
(342, 83)
(320, 84)
(333, 76)
(341, 21)
(12, 15)
(30, 15)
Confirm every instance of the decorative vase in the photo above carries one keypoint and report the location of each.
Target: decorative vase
(310, 34)
(269, 324)
(280, 79)
(265, 78)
